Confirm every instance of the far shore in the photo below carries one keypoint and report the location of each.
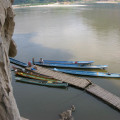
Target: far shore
(49, 5)
(61, 5)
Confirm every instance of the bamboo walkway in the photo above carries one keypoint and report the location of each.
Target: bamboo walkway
(85, 84)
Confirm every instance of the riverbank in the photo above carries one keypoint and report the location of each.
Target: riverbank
(65, 4)
(112, 2)
(48, 5)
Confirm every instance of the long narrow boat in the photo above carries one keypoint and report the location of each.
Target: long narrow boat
(37, 77)
(88, 73)
(73, 66)
(39, 82)
(17, 62)
(67, 62)
(16, 69)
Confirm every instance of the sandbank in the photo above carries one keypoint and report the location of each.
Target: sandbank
(49, 5)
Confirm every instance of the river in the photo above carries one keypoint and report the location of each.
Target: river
(89, 32)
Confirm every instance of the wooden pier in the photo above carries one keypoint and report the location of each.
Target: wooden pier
(85, 84)
(104, 95)
(72, 80)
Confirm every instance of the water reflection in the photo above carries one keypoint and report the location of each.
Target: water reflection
(27, 49)
(104, 23)
(86, 34)
(104, 20)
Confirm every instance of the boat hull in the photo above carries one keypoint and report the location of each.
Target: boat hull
(89, 73)
(17, 62)
(67, 62)
(32, 76)
(43, 83)
(76, 66)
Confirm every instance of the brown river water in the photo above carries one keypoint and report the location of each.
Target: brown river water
(83, 33)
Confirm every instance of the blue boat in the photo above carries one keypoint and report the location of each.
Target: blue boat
(67, 62)
(44, 83)
(88, 73)
(72, 66)
(17, 62)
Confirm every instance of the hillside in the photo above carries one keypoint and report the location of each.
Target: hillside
(54, 1)
(37, 1)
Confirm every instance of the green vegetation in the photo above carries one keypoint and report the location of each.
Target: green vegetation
(40, 1)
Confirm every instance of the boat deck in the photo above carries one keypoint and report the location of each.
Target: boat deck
(85, 84)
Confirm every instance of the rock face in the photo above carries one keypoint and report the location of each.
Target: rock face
(67, 115)
(8, 107)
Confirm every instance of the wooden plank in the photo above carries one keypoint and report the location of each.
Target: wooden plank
(76, 81)
(104, 95)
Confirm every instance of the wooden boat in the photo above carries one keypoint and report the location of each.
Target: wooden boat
(16, 69)
(17, 62)
(72, 66)
(39, 82)
(88, 73)
(37, 77)
(67, 62)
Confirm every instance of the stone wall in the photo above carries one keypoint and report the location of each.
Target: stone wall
(8, 107)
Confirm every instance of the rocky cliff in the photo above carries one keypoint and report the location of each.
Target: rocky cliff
(8, 107)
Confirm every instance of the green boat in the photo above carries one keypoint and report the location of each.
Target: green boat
(40, 82)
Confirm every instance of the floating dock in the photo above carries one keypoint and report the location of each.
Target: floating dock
(84, 84)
